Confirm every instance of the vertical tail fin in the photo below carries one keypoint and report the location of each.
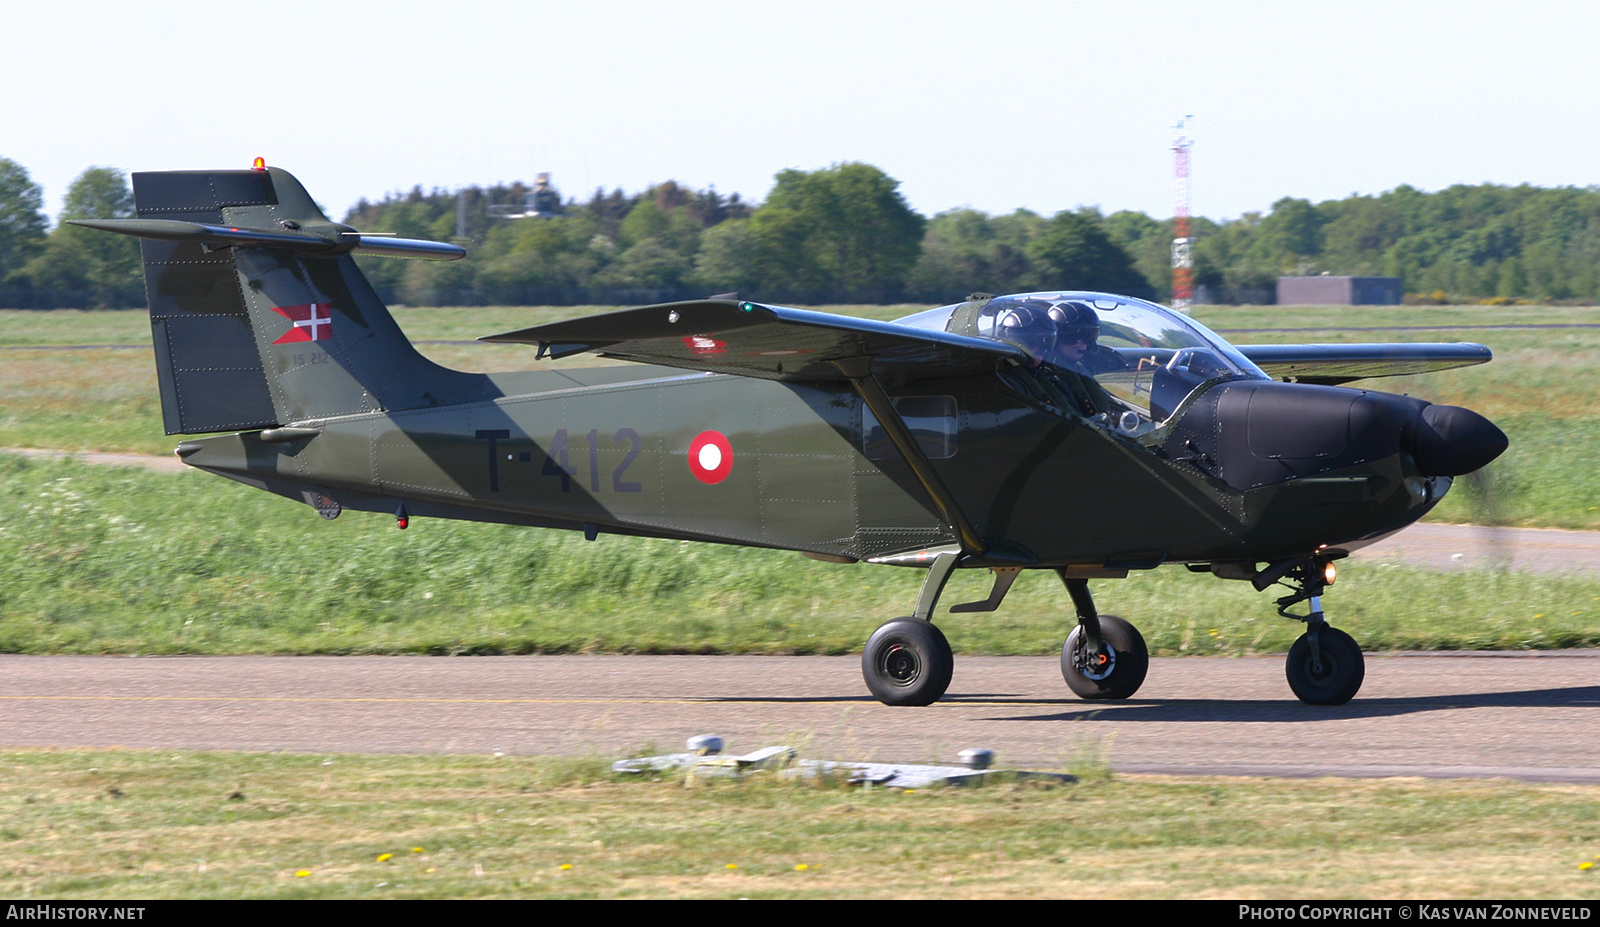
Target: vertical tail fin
(259, 314)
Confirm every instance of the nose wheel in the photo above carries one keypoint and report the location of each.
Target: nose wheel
(1325, 667)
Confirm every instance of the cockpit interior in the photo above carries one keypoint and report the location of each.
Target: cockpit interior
(1120, 362)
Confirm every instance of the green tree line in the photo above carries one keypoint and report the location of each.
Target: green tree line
(846, 234)
(68, 266)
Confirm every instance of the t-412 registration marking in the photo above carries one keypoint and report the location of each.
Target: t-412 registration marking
(558, 458)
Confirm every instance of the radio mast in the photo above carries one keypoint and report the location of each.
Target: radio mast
(1182, 259)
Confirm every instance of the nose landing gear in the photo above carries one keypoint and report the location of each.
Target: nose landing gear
(1325, 666)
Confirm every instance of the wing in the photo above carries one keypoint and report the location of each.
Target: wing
(1332, 364)
(769, 342)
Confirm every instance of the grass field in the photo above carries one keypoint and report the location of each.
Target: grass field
(154, 825)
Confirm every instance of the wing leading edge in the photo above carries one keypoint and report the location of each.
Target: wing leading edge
(1332, 364)
(754, 340)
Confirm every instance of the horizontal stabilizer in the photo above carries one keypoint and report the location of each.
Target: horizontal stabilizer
(333, 243)
(415, 248)
(1332, 364)
(753, 340)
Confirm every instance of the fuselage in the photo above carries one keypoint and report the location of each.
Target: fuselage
(807, 468)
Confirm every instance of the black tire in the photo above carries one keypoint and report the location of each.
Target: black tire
(1128, 663)
(907, 661)
(1337, 679)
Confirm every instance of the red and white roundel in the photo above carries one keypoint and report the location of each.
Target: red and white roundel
(700, 344)
(710, 457)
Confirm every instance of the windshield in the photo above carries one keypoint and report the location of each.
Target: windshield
(1119, 360)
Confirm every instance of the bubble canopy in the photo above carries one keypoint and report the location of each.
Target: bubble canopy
(1143, 358)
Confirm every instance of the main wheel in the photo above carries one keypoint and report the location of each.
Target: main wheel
(1336, 678)
(907, 662)
(1119, 673)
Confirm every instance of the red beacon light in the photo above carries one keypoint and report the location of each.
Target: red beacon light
(259, 164)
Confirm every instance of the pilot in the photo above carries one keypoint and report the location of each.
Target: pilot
(1078, 356)
(1062, 340)
(1029, 326)
(1077, 343)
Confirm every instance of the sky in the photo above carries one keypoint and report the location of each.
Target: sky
(993, 105)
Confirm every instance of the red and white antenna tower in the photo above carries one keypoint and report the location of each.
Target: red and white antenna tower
(1182, 259)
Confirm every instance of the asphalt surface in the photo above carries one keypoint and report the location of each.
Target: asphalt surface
(1528, 716)
(1468, 547)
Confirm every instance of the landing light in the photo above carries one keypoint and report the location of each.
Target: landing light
(1329, 573)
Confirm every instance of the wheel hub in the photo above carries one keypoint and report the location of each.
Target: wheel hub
(1323, 668)
(900, 665)
(1098, 666)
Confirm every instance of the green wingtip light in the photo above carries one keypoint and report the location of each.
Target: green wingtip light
(747, 307)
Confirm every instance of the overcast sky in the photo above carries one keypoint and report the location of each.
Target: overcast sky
(994, 105)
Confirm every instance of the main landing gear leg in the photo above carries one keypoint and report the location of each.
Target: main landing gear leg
(1325, 665)
(1104, 657)
(907, 661)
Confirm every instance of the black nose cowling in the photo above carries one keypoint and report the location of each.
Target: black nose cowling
(1451, 441)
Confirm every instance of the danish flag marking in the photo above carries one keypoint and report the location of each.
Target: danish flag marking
(312, 322)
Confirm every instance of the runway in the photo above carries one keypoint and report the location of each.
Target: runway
(1528, 716)
(1464, 547)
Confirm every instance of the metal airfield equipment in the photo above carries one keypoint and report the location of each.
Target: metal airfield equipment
(1083, 433)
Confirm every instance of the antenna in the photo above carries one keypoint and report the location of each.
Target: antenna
(1182, 259)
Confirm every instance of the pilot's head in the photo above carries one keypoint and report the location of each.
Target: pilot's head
(1028, 326)
(1077, 328)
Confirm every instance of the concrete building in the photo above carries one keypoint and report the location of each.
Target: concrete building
(1326, 290)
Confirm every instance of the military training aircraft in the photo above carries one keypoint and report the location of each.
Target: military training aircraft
(1084, 433)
